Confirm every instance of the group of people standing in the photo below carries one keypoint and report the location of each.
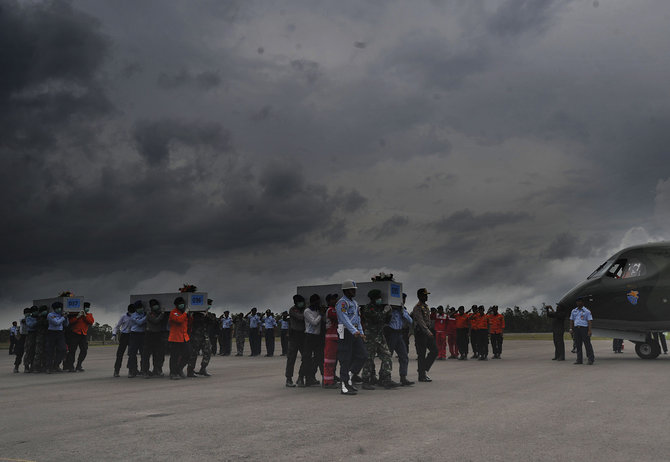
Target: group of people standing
(45, 338)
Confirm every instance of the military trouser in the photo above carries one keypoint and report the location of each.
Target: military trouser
(200, 342)
(496, 343)
(19, 348)
(120, 350)
(39, 362)
(76, 341)
(213, 341)
(239, 342)
(397, 345)
(29, 350)
(134, 345)
(312, 355)
(376, 345)
(462, 340)
(226, 344)
(284, 341)
(559, 342)
(55, 348)
(153, 347)
(296, 342)
(179, 354)
(270, 341)
(423, 342)
(351, 353)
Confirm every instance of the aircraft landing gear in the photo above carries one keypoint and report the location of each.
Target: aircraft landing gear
(648, 349)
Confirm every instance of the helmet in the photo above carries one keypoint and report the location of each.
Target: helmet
(348, 285)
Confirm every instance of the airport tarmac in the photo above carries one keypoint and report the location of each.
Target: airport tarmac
(524, 407)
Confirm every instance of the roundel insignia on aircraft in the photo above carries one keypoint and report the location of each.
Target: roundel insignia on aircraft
(633, 296)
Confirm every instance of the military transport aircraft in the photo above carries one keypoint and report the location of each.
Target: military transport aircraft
(629, 296)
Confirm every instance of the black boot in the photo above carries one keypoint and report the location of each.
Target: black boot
(289, 383)
(404, 382)
(203, 372)
(301, 382)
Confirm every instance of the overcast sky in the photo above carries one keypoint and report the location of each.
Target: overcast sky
(494, 152)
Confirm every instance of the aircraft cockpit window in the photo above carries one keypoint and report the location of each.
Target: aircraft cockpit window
(634, 269)
(600, 270)
(616, 271)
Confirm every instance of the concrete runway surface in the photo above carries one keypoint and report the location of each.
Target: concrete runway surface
(524, 407)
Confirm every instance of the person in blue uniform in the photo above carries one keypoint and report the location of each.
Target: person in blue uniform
(284, 325)
(400, 317)
(226, 333)
(580, 326)
(138, 322)
(270, 324)
(121, 332)
(254, 331)
(351, 351)
(55, 341)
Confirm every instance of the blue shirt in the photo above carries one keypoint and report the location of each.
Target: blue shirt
(253, 321)
(270, 322)
(138, 322)
(226, 323)
(397, 317)
(581, 317)
(348, 315)
(31, 323)
(284, 325)
(56, 321)
(123, 326)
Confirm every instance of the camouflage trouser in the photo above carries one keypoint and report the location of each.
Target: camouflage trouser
(200, 342)
(377, 346)
(40, 358)
(239, 341)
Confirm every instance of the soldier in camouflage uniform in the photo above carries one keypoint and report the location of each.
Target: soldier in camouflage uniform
(240, 333)
(199, 342)
(40, 340)
(374, 315)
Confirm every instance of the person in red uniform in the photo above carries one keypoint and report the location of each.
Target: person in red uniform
(441, 333)
(462, 325)
(482, 323)
(496, 326)
(79, 324)
(179, 340)
(451, 334)
(330, 348)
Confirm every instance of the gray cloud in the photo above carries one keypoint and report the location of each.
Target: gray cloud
(389, 227)
(466, 221)
(205, 80)
(516, 17)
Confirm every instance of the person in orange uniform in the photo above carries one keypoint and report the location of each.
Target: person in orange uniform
(179, 339)
(480, 324)
(451, 334)
(496, 326)
(474, 335)
(462, 325)
(79, 325)
(441, 333)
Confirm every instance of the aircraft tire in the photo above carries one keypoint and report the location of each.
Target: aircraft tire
(647, 350)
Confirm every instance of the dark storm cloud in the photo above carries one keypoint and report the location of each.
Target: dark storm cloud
(389, 227)
(205, 80)
(50, 55)
(567, 244)
(350, 201)
(309, 70)
(516, 17)
(466, 220)
(154, 137)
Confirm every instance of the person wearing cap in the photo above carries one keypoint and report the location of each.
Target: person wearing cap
(399, 318)
(227, 338)
(496, 327)
(351, 351)
(39, 362)
(79, 324)
(283, 326)
(423, 337)
(31, 334)
(153, 340)
(179, 339)
(55, 340)
(213, 327)
(254, 332)
(241, 328)
(199, 340)
(482, 327)
(580, 325)
(374, 316)
(13, 332)
(122, 332)
(270, 323)
(138, 321)
(406, 325)
(296, 341)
